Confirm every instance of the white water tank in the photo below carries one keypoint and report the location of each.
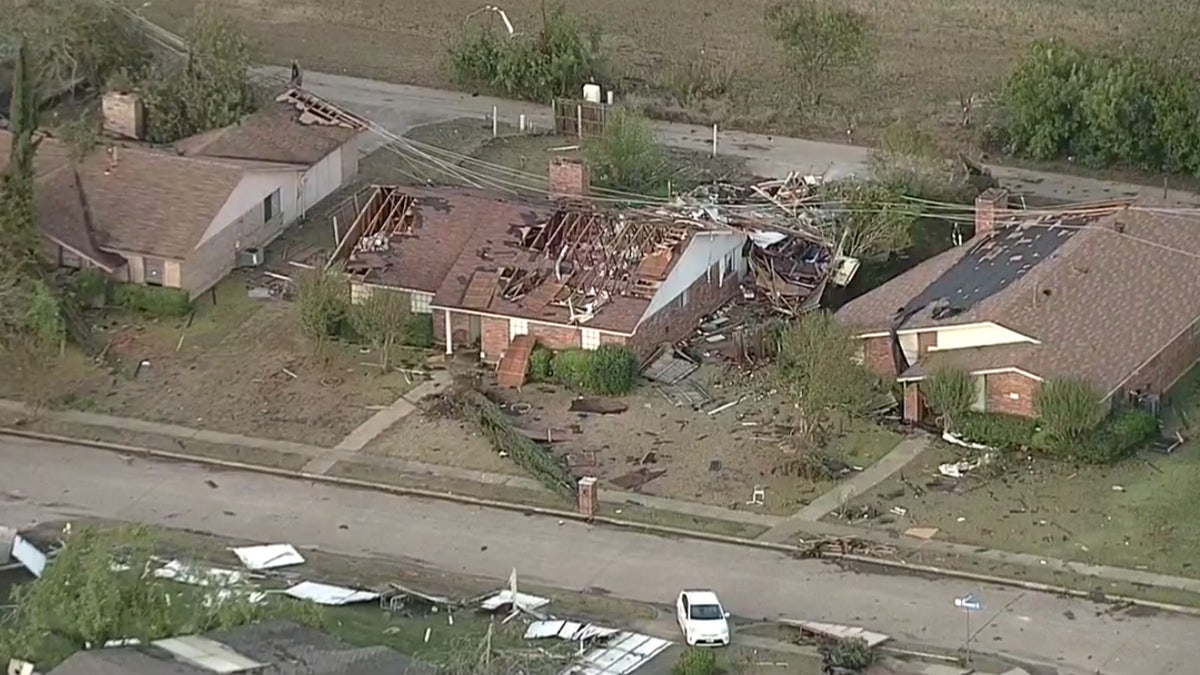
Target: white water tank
(591, 93)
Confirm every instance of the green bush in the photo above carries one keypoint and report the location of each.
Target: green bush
(696, 661)
(1120, 437)
(1068, 409)
(950, 392)
(1003, 432)
(153, 301)
(853, 654)
(571, 367)
(418, 331)
(91, 286)
(1126, 109)
(614, 370)
(541, 364)
(610, 370)
(627, 156)
(554, 61)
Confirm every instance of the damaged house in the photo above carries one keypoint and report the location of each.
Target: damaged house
(503, 273)
(182, 217)
(1109, 294)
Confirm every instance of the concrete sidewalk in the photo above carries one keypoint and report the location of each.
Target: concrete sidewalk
(398, 108)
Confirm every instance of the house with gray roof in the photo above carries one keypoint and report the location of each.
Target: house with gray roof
(1109, 293)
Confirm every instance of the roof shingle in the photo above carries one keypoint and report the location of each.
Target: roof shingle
(1101, 297)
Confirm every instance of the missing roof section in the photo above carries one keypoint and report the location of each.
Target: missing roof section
(315, 110)
(991, 266)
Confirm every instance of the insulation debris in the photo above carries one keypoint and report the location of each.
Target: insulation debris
(326, 594)
(268, 556)
(506, 598)
(199, 575)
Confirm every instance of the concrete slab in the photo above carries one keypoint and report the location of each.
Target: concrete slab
(378, 423)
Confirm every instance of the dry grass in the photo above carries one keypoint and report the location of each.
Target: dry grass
(714, 60)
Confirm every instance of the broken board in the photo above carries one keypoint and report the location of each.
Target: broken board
(837, 631)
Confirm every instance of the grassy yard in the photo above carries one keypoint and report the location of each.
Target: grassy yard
(1142, 513)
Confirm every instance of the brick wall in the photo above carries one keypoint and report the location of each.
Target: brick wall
(677, 320)
(495, 337)
(877, 355)
(612, 339)
(1001, 387)
(460, 327)
(568, 178)
(914, 403)
(1169, 365)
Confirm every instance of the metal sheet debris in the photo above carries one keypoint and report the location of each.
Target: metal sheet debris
(839, 631)
(567, 630)
(621, 654)
(670, 366)
(199, 575)
(24, 552)
(326, 594)
(268, 556)
(523, 601)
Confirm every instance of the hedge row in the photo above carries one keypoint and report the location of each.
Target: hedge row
(610, 370)
(1120, 436)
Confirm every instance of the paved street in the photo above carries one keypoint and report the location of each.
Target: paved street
(399, 108)
(40, 482)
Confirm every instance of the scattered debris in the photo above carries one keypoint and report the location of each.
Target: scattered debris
(600, 406)
(758, 497)
(954, 439)
(400, 597)
(519, 601)
(199, 575)
(726, 406)
(961, 468)
(620, 654)
(268, 556)
(573, 631)
(634, 480)
(326, 594)
(670, 366)
(837, 631)
(921, 532)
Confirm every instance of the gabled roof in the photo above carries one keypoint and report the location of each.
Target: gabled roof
(297, 128)
(1102, 294)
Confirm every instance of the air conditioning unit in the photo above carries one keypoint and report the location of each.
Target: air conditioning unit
(250, 257)
(19, 667)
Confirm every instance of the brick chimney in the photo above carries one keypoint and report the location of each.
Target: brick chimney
(569, 178)
(990, 207)
(124, 114)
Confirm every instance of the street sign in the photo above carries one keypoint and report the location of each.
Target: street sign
(969, 602)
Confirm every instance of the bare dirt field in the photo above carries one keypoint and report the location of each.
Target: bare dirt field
(930, 51)
(654, 447)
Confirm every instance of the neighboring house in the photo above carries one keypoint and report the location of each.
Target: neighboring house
(1109, 295)
(277, 648)
(492, 269)
(181, 217)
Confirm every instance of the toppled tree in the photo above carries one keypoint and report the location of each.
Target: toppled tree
(101, 586)
(214, 88)
(873, 220)
(821, 41)
(850, 656)
(910, 161)
(382, 320)
(817, 368)
(950, 392)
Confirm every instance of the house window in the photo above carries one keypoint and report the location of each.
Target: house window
(517, 327)
(271, 207)
(590, 338)
(421, 303)
(154, 271)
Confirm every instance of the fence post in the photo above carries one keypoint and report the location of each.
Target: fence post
(521, 123)
(495, 121)
(579, 119)
(714, 149)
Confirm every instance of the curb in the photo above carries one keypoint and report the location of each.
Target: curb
(597, 520)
